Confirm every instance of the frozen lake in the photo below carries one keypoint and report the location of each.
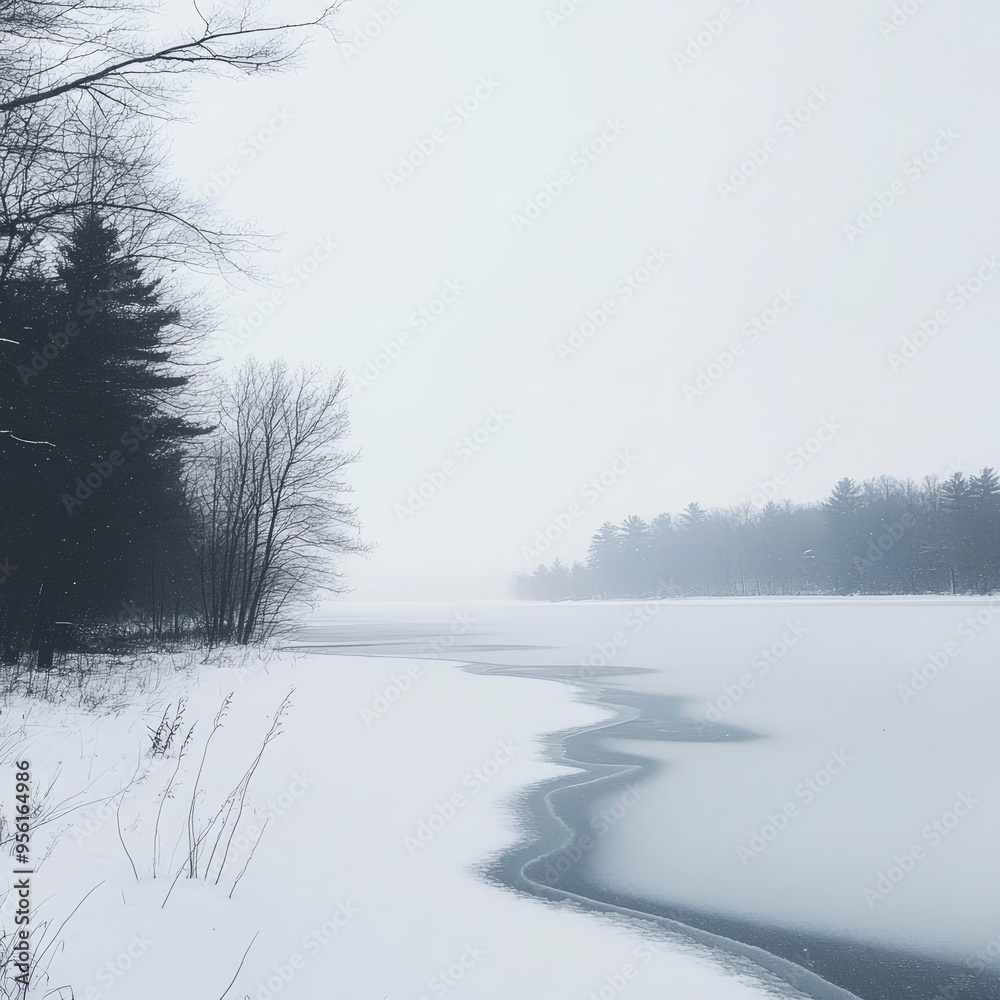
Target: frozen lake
(811, 777)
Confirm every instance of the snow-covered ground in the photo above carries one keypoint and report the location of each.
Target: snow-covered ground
(391, 778)
(856, 801)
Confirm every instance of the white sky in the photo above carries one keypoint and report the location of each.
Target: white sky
(655, 186)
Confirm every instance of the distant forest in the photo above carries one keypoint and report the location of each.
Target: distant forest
(882, 536)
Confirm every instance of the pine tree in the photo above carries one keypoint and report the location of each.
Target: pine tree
(842, 511)
(984, 528)
(955, 491)
(560, 585)
(692, 515)
(663, 552)
(984, 486)
(28, 461)
(956, 508)
(111, 517)
(581, 581)
(604, 560)
(635, 538)
(690, 548)
(845, 498)
(884, 536)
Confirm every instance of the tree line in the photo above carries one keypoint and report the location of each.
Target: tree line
(141, 492)
(880, 536)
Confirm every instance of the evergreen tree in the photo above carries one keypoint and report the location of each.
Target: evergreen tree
(635, 541)
(984, 516)
(604, 560)
(581, 580)
(692, 515)
(27, 460)
(690, 551)
(955, 507)
(109, 519)
(883, 536)
(844, 537)
(985, 486)
(845, 500)
(663, 553)
(560, 585)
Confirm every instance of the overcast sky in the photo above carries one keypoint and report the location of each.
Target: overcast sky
(585, 148)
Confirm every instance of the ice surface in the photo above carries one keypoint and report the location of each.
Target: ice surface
(856, 799)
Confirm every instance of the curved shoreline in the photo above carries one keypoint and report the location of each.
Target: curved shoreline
(554, 818)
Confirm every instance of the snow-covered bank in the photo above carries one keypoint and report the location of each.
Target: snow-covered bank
(819, 769)
(388, 783)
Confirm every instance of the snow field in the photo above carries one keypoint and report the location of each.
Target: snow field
(360, 884)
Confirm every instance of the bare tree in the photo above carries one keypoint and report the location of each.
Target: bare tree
(269, 492)
(58, 164)
(101, 50)
(83, 84)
